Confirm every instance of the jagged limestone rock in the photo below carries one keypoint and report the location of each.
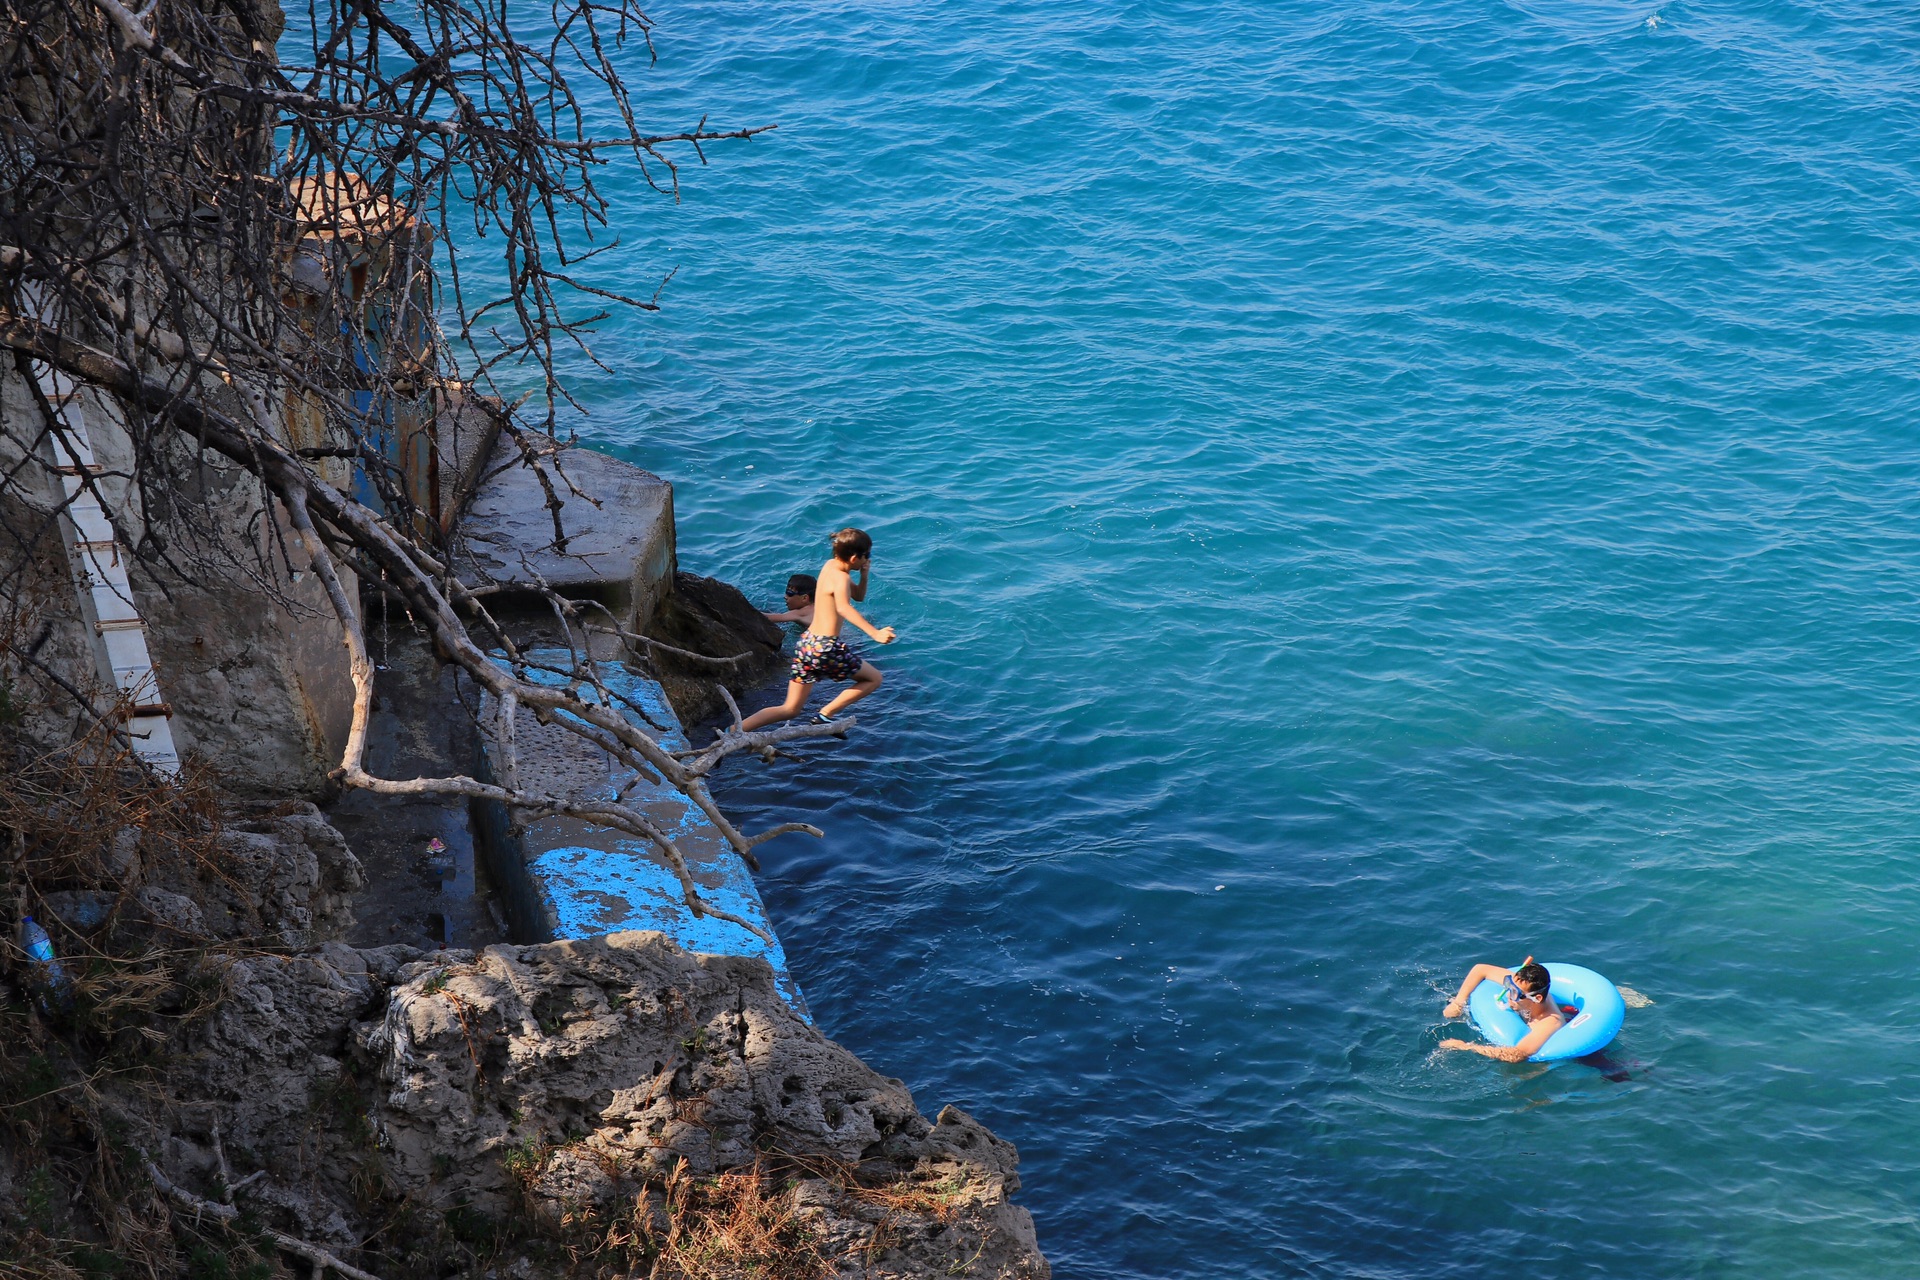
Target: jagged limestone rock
(576, 1074)
(267, 1066)
(288, 880)
(705, 615)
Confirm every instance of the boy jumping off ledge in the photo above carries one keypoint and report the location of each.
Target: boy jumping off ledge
(821, 654)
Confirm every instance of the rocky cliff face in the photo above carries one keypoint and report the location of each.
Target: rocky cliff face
(581, 1079)
(615, 1107)
(585, 1106)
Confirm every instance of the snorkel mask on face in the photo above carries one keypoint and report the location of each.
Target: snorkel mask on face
(1515, 991)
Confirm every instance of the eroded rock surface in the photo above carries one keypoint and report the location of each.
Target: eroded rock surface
(578, 1075)
(559, 1092)
(300, 878)
(707, 616)
(269, 1066)
(573, 1109)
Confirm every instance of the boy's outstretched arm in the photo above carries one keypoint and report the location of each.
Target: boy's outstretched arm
(1475, 976)
(884, 635)
(1541, 1032)
(791, 615)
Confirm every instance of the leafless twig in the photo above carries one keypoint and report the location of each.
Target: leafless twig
(227, 1212)
(234, 255)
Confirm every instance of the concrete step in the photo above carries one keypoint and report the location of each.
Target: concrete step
(618, 525)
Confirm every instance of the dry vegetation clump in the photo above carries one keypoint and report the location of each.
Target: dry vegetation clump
(80, 828)
(771, 1220)
(745, 1222)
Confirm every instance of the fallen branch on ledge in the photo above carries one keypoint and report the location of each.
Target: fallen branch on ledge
(202, 1207)
(327, 523)
(656, 646)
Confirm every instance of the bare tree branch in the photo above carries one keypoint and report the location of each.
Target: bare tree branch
(240, 253)
(228, 1212)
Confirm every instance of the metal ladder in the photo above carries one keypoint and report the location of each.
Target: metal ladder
(100, 579)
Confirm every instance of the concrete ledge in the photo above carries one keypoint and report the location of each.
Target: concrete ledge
(468, 431)
(619, 530)
(563, 878)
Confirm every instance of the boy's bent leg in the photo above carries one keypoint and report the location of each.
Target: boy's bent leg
(797, 694)
(865, 681)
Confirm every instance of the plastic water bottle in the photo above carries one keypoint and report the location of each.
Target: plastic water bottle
(50, 980)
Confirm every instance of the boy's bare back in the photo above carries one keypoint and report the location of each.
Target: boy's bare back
(829, 598)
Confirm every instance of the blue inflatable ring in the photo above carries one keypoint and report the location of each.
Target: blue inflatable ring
(1595, 1021)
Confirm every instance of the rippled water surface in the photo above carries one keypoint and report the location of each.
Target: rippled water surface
(1362, 489)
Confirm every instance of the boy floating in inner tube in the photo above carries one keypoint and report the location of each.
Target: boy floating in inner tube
(1527, 995)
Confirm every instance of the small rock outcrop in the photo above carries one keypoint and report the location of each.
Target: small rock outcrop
(296, 879)
(707, 616)
(270, 1068)
(583, 1081)
(286, 880)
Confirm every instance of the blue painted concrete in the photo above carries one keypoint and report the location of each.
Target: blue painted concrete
(570, 879)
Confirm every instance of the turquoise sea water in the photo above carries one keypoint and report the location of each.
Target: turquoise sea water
(1362, 489)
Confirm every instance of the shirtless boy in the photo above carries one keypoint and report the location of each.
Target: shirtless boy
(800, 591)
(1527, 995)
(821, 654)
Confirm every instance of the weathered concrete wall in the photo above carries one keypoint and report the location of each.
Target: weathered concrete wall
(43, 607)
(467, 431)
(619, 552)
(262, 692)
(259, 690)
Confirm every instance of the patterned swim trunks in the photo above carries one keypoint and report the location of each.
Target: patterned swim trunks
(817, 658)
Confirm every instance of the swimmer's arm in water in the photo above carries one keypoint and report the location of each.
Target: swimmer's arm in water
(1536, 1036)
(1478, 974)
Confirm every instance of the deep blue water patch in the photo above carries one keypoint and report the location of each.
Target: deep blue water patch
(1362, 489)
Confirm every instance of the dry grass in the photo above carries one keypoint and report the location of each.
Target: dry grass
(740, 1225)
(940, 1199)
(68, 1075)
(749, 1223)
(735, 1225)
